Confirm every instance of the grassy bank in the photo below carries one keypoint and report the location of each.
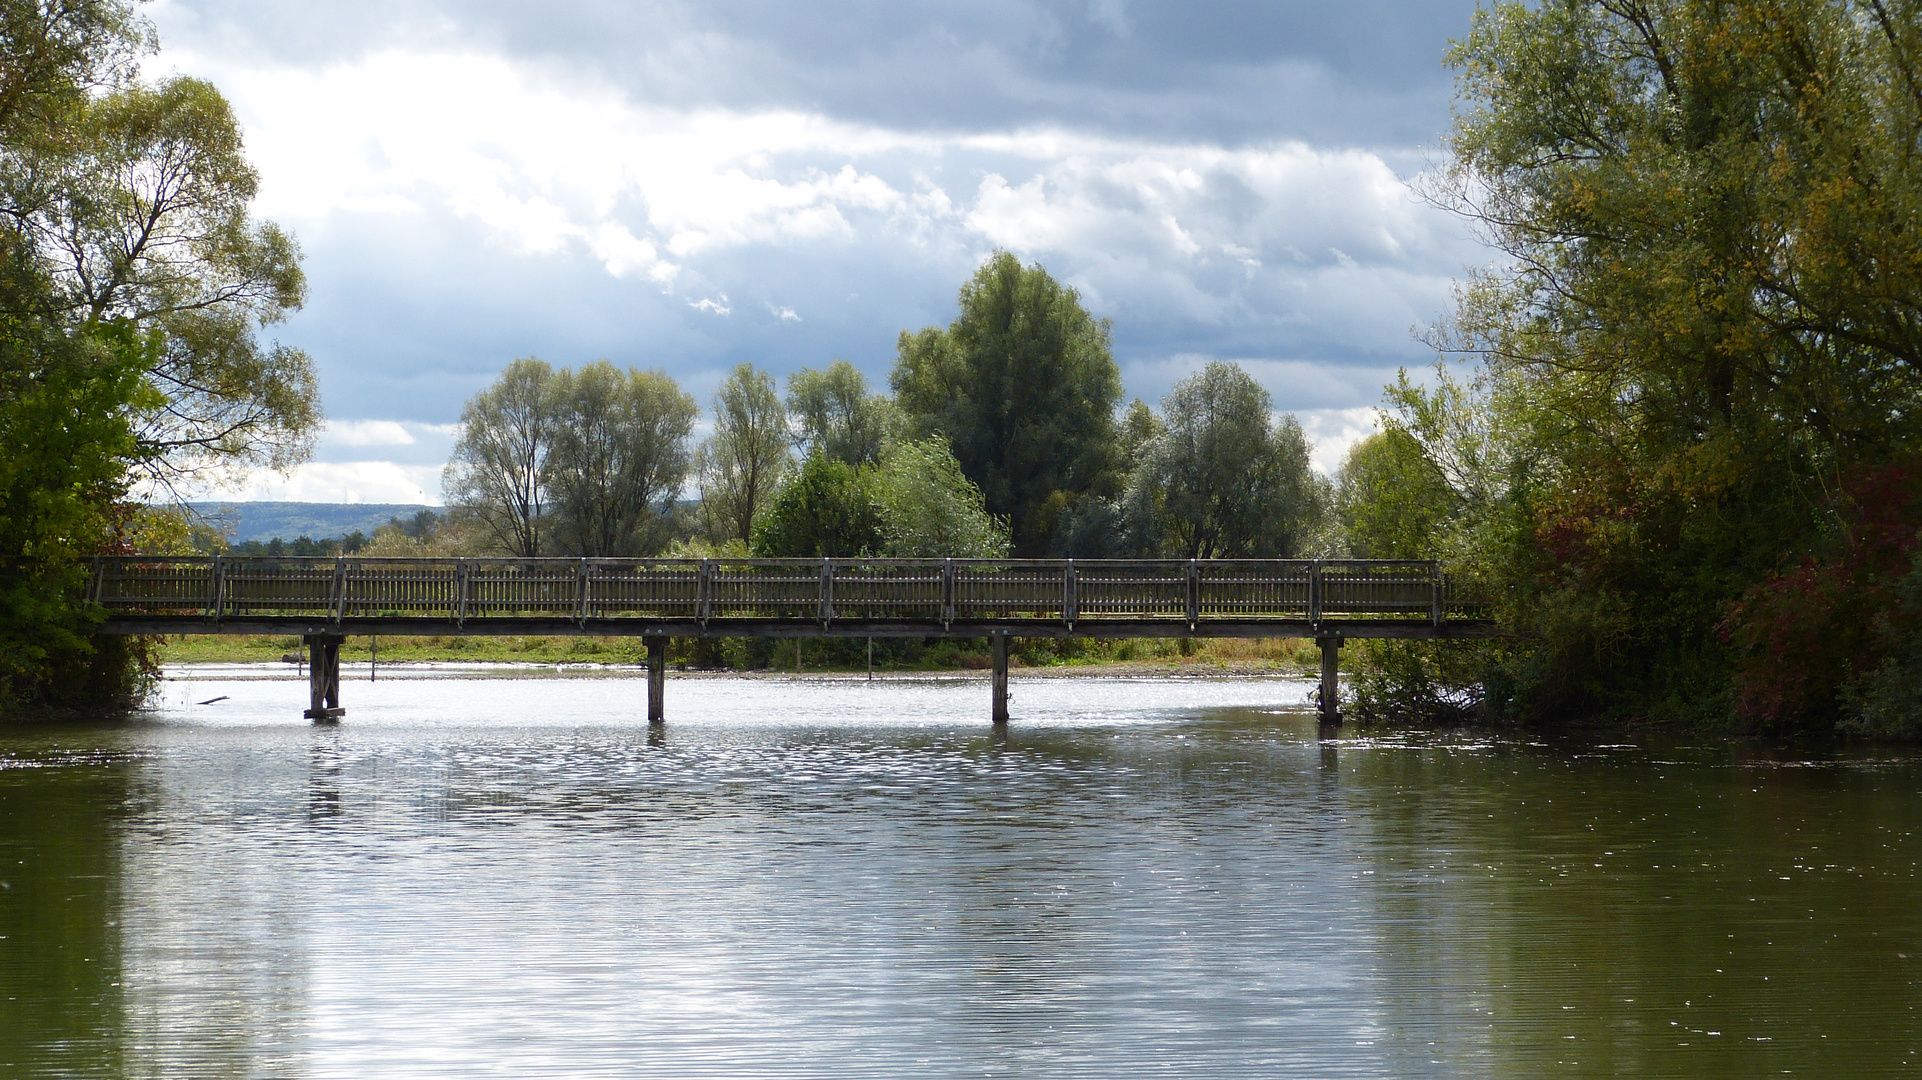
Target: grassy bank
(1281, 656)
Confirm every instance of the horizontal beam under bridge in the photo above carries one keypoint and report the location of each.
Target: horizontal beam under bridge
(776, 628)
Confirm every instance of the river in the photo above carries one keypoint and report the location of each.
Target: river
(824, 877)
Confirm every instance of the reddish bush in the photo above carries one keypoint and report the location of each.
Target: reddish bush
(1799, 634)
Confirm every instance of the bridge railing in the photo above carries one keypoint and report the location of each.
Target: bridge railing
(945, 591)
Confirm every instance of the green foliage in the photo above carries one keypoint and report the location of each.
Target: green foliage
(914, 504)
(1700, 353)
(743, 462)
(584, 462)
(1222, 480)
(496, 473)
(1885, 701)
(1023, 387)
(133, 282)
(837, 416)
(620, 457)
(172, 530)
(1393, 503)
(140, 211)
(1136, 432)
(1421, 683)
(827, 508)
(64, 419)
(929, 509)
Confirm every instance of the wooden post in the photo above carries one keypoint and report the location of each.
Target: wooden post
(1330, 683)
(656, 680)
(1000, 679)
(870, 659)
(323, 678)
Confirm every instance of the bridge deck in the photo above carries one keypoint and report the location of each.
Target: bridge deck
(782, 597)
(325, 599)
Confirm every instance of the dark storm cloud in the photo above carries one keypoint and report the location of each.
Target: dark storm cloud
(1367, 72)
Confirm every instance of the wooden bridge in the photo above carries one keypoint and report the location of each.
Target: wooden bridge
(325, 599)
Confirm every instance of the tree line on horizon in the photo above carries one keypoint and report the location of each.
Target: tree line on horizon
(1001, 437)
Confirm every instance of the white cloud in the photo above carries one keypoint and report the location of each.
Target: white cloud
(1309, 264)
(1333, 432)
(642, 189)
(367, 433)
(348, 482)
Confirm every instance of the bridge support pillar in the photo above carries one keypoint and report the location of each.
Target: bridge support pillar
(1330, 679)
(1000, 642)
(323, 678)
(656, 680)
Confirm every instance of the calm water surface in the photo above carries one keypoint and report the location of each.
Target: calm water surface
(798, 878)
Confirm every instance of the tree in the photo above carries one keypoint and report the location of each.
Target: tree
(1023, 387)
(619, 458)
(836, 415)
(55, 54)
(497, 472)
(1136, 432)
(742, 463)
(827, 508)
(1223, 480)
(1391, 500)
(132, 284)
(1702, 350)
(140, 212)
(929, 508)
(64, 400)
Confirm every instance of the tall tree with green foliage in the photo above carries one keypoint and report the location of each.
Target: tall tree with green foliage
(64, 421)
(1224, 479)
(144, 217)
(835, 415)
(133, 286)
(620, 455)
(1391, 500)
(1023, 387)
(930, 509)
(1701, 361)
(498, 472)
(744, 460)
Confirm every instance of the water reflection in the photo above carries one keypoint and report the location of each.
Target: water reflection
(61, 968)
(798, 878)
(323, 775)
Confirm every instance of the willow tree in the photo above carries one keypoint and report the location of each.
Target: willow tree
(498, 471)
(620, 455)
(134, 285)
(743, 462)
(834, 414)
(140, 214)
(1704, 345)
(1224, 478)
(1023, 386)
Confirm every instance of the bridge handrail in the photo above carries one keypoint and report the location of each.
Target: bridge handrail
(1004, 591)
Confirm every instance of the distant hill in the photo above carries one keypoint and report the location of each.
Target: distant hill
(291, 520)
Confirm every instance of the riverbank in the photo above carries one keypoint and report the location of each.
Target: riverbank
(1073, 656)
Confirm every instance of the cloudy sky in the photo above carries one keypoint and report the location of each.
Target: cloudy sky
(685, 186)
